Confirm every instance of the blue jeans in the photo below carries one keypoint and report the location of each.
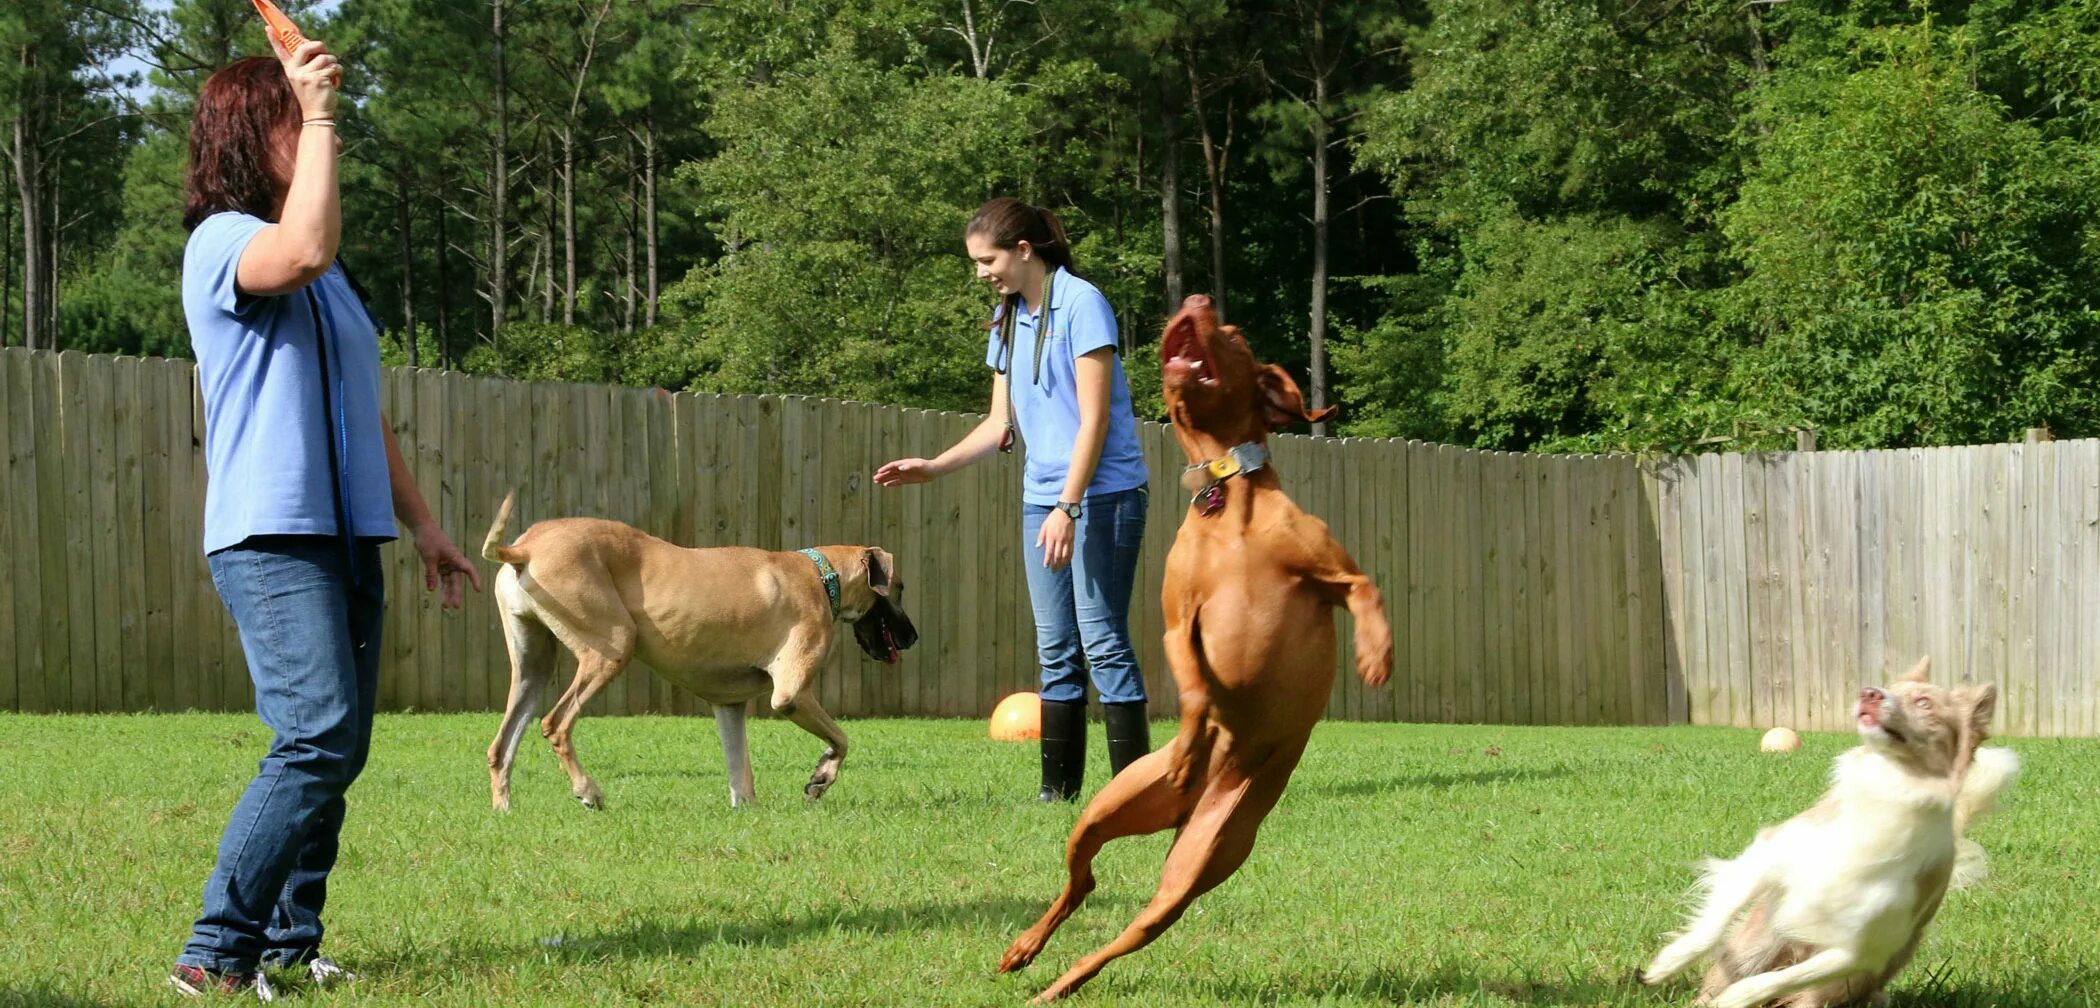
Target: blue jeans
(1084, 608)
(311, 634)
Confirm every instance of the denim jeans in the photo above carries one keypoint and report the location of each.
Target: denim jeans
(1082, 611)
(311, 635)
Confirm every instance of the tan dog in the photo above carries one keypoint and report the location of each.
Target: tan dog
(1251, 587)
(728, 623)
(1826, 907)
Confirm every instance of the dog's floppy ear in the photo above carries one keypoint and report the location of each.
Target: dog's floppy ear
(881, 571)
(1977, 704)
(1280, 401)
(1917, 673)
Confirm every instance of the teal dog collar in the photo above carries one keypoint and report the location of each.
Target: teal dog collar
(830, 576)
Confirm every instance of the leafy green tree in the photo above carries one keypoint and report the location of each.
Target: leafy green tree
(1919, 266)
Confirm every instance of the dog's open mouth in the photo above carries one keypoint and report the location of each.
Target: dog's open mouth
(884, 633)
(1187, 358)
(1870, 717)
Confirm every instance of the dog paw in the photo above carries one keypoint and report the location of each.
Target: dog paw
(1019, 955)
(592, 800)
(1055, 992)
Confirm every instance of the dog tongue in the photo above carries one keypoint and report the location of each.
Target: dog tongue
(890, 643)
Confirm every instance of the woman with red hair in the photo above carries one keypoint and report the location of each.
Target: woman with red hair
(305, 481)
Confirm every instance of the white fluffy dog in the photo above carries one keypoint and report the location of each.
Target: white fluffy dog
(1826, 907)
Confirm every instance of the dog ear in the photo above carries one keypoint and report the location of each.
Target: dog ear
(1280, 401)
(881, 570)
(1978, 703)
(1917, 673)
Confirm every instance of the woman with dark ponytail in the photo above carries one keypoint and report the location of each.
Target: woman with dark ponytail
(1056, 380)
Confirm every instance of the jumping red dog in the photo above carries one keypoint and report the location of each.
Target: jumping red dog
(1251, 586)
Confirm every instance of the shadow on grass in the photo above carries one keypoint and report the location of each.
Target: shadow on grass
(1453, 985)
(1940, 986)
(1512, 775)
(1450, 985)
(689, 935)
(44, 997)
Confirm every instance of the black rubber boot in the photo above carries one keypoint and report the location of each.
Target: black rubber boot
(1064, 749)
(1129, 734)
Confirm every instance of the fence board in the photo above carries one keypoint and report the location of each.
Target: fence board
(18, 489)
(2084, 459)
(169, 389)
(1831, 695)
(141, 519)
(2059, 628)
(208, 617)
(2017, 696)
(1706, 668)
(1667, 481)
(1565, 578)
(1649, 654)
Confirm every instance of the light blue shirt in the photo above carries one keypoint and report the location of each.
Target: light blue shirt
(1046, 402)
(266, 428)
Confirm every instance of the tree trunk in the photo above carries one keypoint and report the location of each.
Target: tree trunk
(628, 284)
(1170, 196)
(7, 272)
(444, 281)
(568, 223)
(499, 185)
(38, 324)
(1217, 153)
(546, 249)
(1317, 334)
(649, 208)
(402, 220)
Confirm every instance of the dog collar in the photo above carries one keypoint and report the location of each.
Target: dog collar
(829, 575)
(1206, 480)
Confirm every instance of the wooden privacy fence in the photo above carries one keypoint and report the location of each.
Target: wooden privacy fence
(1522, 589)
(1793, 579)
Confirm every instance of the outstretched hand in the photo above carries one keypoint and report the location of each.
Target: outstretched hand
(443, 563)
(905, 471)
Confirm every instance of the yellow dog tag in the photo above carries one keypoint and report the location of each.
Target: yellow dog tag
(1223, 468)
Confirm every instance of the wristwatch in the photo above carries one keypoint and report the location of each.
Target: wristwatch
(1070, 508)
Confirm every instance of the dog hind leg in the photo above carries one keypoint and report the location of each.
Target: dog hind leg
(532, 655)
(1825, 966)
(1731, 886)
(593, 672)
(1139, 801)
(1213, 844)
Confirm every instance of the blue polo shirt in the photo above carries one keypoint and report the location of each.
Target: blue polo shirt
(1046, 402)
(266, 429)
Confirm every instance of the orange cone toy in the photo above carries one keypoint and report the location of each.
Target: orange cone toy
(281, 27)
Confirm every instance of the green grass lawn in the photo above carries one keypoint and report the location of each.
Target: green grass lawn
(1407, 865)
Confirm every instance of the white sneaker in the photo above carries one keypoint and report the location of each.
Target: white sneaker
(326, 974)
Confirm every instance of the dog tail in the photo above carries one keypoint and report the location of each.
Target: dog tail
(1991, 770)
(490, 550)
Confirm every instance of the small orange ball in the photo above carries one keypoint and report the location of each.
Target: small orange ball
(1018, 718)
